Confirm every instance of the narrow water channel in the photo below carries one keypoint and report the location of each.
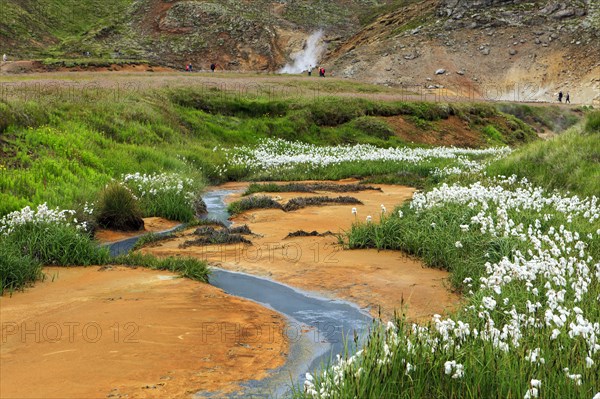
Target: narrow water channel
(318, 328)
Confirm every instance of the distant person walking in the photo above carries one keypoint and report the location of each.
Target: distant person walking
(322, 72)
(568, 99)
(560, 96)
(310, 68)
(191, 68)
(4, 58)
(213, 66)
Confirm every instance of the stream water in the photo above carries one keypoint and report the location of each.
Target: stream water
(318, 328)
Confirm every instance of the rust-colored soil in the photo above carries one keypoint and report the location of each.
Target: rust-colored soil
(135, 333)
(445, 132)
(386, 279)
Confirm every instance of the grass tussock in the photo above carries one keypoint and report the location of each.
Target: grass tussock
(314, 233)
(212, 236)
(303, 202)
(255, 202)
(205, 222)
(217, 238)
(152, 239)
(118, 209)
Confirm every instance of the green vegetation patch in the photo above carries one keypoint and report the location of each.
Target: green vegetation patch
(191, 268)
(569, 162)
(302, 202)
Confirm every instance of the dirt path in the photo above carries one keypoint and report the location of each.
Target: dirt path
(135, 333)
(85, 83)
(385, 280)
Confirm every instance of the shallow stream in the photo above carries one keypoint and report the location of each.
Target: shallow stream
(318, 328)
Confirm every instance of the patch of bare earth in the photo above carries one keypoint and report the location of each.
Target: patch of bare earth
(132, 333)
(377, 280)
(446, 132)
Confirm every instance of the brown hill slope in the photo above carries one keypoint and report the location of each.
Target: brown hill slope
(498, 49)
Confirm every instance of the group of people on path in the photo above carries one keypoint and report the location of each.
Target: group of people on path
(190, 68)
(321, 71)
(567, 97)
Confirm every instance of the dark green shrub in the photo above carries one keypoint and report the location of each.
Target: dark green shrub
(118, 209)
(374, 127)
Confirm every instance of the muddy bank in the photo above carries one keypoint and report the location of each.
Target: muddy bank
(378, 281)
(121, 332)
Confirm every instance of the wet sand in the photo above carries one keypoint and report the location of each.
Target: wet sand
(123, 332)
(382, 281)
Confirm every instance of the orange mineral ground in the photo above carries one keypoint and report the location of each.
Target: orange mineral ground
(125, 332)
(122, 332)
(377, 280)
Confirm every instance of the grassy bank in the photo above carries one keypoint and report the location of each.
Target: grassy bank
(526, 260)
(570, 162)
(77, 142)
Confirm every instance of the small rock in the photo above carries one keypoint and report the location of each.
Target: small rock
(440, 71)
(537, 40)
(485, 51)
(512, 51)
(461, 72)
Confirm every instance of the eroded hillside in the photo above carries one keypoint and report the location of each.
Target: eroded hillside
(499, 49)
(522, 50)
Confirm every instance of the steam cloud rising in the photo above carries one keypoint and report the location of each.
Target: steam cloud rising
(308, 56)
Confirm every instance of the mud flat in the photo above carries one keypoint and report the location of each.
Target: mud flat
(380, 281)
(123, 332)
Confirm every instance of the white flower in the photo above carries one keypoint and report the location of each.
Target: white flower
(458, 244)
(369, 219)
(589, 362)
(354, 211)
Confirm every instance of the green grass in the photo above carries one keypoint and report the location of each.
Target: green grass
(31, 245)
(39, 27)
(77, 142)
(17, 270)
(255, 202)
(186, 267)
(592, 123)
(569, 162)
(118, 209)
(553, 118)
(434, 234)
